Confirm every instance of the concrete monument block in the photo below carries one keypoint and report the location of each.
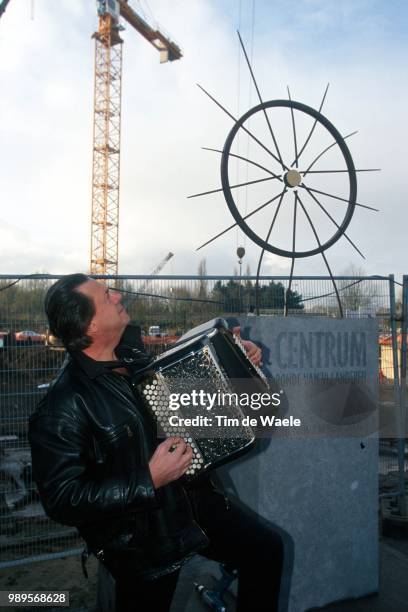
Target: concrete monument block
(318, 482)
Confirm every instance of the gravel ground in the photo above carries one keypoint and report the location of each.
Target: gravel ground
(63, 574)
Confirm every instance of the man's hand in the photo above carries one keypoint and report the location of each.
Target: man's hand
(253, 351)
(169, 461)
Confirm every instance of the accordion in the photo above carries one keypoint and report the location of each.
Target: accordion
(208, 363)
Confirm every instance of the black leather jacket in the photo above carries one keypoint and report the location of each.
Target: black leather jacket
(91, 443)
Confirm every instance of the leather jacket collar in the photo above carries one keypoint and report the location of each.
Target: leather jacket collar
(130, 353)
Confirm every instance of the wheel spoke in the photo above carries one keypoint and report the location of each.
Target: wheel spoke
(332, 171)
(324, 257)
(313, 127)
(323, 295)
(261, 101)
(137, 294)
(268, 178)
(292, 267)
(242, 127)
(274, 217)
(263, 251)
(249, 161)
(294, 131)
(327, 149)
(334, 221)
(330, 195)
(246, 217)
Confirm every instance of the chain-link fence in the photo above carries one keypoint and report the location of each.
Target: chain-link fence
(165, 307)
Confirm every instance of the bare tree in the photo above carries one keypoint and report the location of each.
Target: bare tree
(203, 283)
(356, 295)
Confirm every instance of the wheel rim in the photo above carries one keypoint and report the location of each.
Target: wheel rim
(290, 179)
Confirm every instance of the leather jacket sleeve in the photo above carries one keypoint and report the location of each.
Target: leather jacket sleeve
(71, 488)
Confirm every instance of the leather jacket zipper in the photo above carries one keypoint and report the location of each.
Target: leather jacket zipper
(129, 431)
(227, 502)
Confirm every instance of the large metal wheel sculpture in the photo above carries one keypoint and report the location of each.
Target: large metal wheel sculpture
(291, 179)
(295, 183)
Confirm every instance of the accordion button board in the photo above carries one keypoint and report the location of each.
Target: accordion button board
(214, 363)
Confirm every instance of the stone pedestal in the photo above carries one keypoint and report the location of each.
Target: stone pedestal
(320, 487)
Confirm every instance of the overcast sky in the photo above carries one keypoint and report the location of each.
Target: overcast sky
(46, 104)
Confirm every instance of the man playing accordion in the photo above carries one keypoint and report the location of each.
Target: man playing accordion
(99, 466)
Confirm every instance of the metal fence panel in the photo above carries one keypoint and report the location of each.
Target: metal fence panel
(165, 307)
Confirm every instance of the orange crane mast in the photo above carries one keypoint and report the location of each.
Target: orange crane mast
(107, 124)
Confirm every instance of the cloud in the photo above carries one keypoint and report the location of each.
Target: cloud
(46, 66)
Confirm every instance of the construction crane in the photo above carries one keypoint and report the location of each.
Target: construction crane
(3, 6)
(107, 112)
(155, 271)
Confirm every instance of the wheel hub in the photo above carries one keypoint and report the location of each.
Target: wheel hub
(292, 178)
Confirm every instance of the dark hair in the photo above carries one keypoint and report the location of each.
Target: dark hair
(69, 312)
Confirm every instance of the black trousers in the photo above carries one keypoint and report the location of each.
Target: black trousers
(238, 538)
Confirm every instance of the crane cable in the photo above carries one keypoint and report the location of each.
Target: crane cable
(249, 106)
(237, 162)
(145, 12)
(252, 31)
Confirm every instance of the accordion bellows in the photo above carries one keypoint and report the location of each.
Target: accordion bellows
(208, 361)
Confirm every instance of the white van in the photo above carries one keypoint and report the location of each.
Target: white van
(154, 330)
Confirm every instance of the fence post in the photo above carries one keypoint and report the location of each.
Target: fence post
(394, 340)
(396, 365)
(402, 506)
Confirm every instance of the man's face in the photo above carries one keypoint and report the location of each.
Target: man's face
(110, 318)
